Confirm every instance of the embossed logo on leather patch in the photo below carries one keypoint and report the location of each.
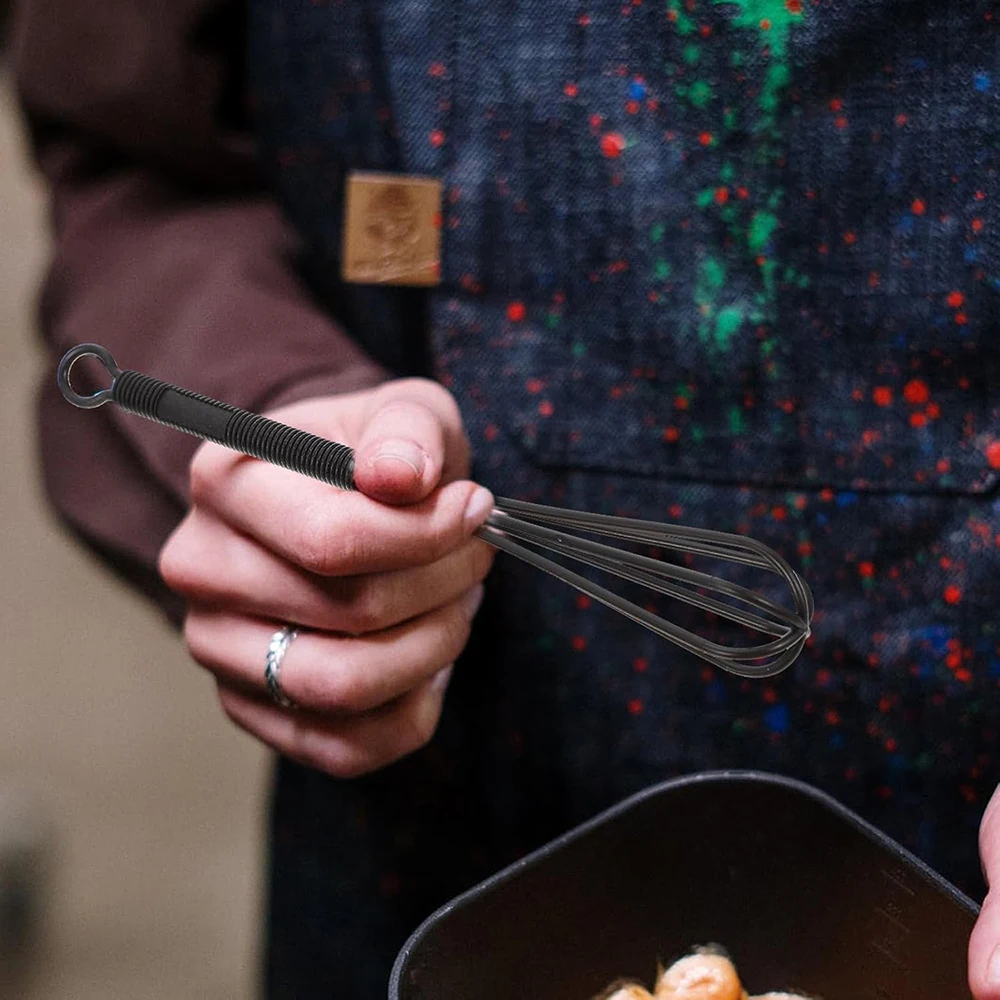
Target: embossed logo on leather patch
(392, 230)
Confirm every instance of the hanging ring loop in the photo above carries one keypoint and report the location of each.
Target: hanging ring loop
(70, 358)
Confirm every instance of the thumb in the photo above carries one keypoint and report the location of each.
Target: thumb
(984, 946)
(412, 438)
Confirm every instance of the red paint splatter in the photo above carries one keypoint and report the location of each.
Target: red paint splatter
(437, 138)
(918, 419)
(571, 90)
(582, 602)
(706, 138)
(916, 391)
(671, 434)
(534, 386)
(721, 195)
(993, 454)
(850, 238)
(919, 206)
(545, 408)
(632, 107)
(866, 569)
(956, 300)
(516, 312)
(977, 225)
(635, 706)
(613, 145)
(952, 594)
(578, 643)
(793, 6)
(882, 395)
(640, 664)
(436, 69)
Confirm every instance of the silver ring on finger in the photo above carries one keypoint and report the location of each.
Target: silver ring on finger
(276, 650)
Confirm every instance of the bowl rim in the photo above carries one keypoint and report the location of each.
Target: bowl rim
(580, 831)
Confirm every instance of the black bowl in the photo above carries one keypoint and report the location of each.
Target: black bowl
(801, 892)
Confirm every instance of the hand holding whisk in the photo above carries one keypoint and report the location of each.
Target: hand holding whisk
(524, 530)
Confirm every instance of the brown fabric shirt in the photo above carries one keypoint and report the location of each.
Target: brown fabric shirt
(169, 251)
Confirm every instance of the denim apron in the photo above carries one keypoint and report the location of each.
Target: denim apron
(733, 264)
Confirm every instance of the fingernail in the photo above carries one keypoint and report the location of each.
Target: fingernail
(472, 600)
(398, 450)
(478, 508)
(441, 679)
(993, 967)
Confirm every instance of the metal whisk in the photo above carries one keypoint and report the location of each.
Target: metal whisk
(512, 522)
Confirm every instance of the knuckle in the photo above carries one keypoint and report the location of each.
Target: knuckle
(480, 560)
(311, 542)
(422, 723)
(229, 710)
(315, 543)
(368, 609)
(456, 629)
(337, 687)
(179, 571)
(196, 640)
(324, 753)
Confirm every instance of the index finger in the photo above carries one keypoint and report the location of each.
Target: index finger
(334, 532)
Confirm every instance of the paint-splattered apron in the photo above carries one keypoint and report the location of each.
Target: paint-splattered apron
(730, 263)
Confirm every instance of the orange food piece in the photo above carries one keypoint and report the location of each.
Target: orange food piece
(702, 976)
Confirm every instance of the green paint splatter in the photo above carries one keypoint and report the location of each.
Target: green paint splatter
(727, 325)
(579, 349)
(713, 276)
(661, 270)
(715, 325)
(762, 227)
(657, 232)
(737, 425)
(751, 214)
(697, 433)
(684, 24)
(701, 93)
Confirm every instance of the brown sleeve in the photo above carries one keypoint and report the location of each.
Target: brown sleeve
(168, 251)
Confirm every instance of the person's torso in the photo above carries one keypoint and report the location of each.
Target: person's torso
(733, 263)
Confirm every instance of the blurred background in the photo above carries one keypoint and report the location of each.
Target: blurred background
(131, 811)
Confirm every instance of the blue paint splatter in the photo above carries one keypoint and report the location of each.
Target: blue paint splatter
(982, 82)
(776, 719)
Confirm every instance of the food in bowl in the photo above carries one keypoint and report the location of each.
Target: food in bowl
(705, 974)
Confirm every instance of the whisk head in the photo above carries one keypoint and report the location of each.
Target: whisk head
(515, 525)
